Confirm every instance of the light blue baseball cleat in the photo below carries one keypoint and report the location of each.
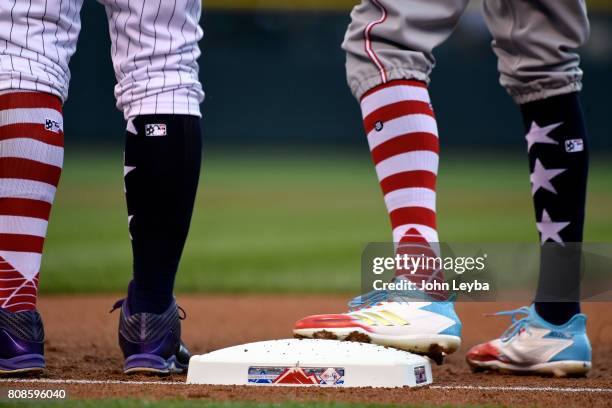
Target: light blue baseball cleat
(534, 346)
(422, 327)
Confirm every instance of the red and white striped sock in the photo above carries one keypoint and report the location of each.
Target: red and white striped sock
(403, 137)
(31, 158)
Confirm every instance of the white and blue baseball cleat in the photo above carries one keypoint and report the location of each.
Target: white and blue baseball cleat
(422, 327)
(534, 346)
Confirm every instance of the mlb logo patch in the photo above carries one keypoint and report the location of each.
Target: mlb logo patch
(53, 126)
(156, 129)
(574, 145)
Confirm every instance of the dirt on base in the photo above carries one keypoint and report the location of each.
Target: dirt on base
(358, 337)
(322, 335)
(82, 344)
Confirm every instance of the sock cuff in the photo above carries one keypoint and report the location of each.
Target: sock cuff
(394, 92)
(394, 83)
(28, 100)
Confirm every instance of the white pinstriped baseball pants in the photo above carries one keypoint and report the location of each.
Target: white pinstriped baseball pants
(534, 40)
(154, 51)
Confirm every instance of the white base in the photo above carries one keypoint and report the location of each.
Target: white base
(310, 362)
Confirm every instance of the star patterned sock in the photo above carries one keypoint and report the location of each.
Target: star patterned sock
(558, 159)
(162, 168)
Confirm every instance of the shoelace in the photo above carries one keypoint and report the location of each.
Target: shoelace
(378, 296)
(517, 324)
(119, 303)
(368, 299)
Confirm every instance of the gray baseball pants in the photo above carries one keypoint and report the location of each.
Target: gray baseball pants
(534, 40)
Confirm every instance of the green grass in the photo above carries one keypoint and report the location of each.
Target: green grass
(132, 403)
(286, 222)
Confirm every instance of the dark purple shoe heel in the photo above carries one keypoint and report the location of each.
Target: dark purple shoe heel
(25, 364)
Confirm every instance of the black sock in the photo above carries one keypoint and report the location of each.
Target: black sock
(162, 167)
(558, 160)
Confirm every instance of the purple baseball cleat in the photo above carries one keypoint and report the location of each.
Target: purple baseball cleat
(21, 343)
(151, 343)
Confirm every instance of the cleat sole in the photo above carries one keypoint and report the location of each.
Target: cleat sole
(434, 346)
(23, 372)
(25, 365)
(152, 364)
(558, 369)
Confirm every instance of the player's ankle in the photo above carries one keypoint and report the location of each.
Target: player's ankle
(557, 313)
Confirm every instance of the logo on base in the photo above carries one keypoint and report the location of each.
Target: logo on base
(156, 129)
(296, 375)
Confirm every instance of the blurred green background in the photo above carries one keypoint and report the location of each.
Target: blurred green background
(288, 195)
(287, 222)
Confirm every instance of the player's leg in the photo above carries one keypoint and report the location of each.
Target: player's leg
(389, 46)
(37, 39)
(155, 52)
(540, 69)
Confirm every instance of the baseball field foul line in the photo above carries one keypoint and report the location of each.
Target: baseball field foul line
(435, 387)
(518, 388)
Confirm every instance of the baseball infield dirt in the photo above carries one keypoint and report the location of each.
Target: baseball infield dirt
(82, 337)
